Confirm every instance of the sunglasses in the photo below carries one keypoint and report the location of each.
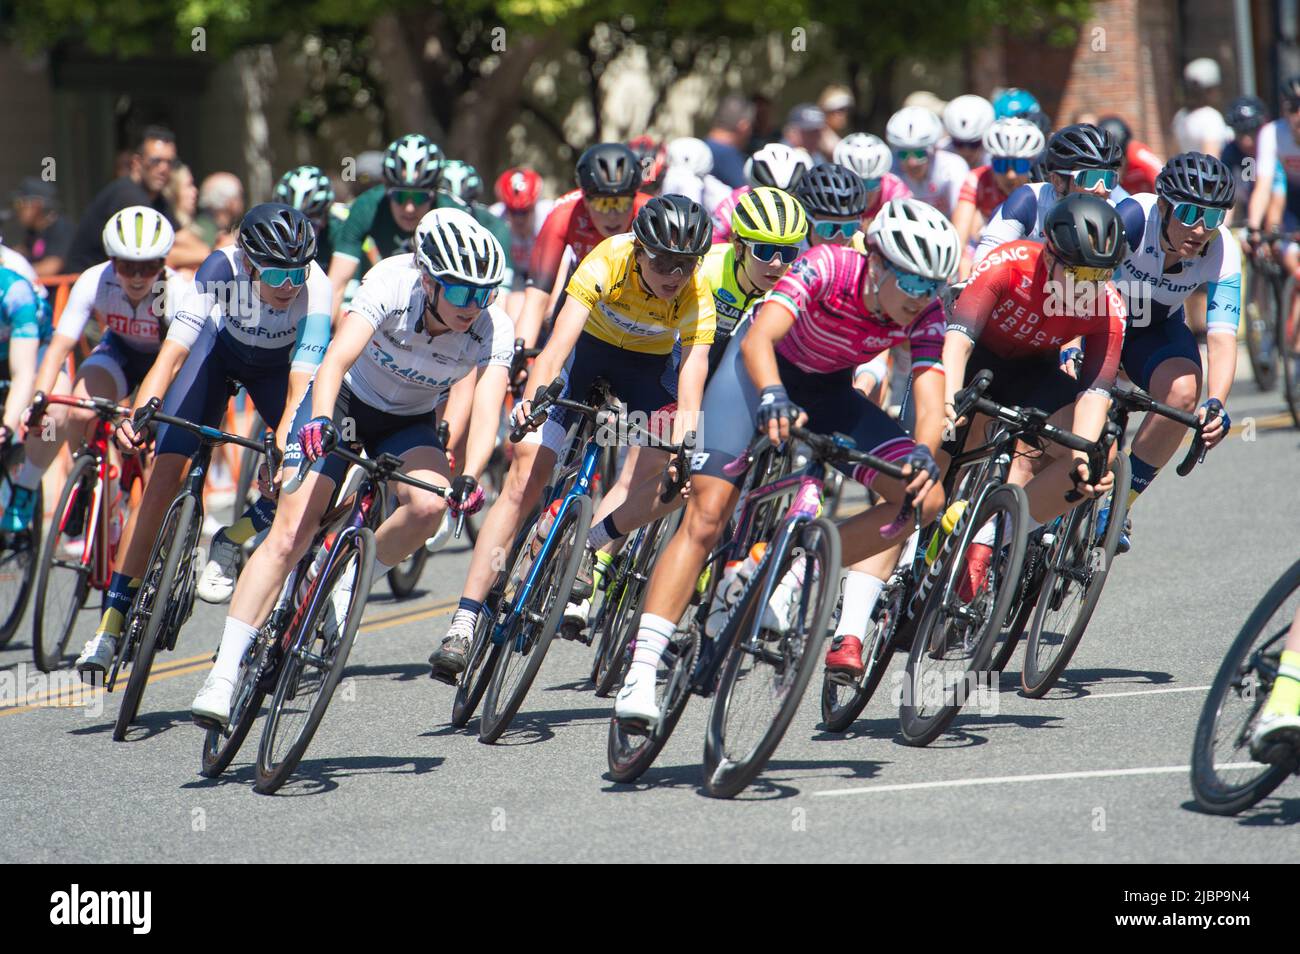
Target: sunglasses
(461, 296)
(137, 269)
(1091, 178)
(871, 185)
(1189, 213)
(913, 285)
(905, 154)
(1085, 273)
(409, 196)
(1002, 165)
(276, 277)
(664, 263)
(608, 203)
(831, 230)
(768, 251)
(160, 161)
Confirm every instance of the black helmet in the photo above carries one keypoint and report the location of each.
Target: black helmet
(673, 224)
(275, 235)
(306, 188)
(1246, 114)
(412, 162)
(1198, 178)
(1085, 230)
(1038, 171)
(1291, 89)
(831, 190)
(609, 168)
(1082, 146)
(1117, 128)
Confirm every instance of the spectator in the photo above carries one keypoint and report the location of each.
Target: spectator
(1199, 126)
(183, 194)
(764, 128)
(151, 166)
(221, 206)
(45, 234)
(803, 130)
(732, 125)
(836, 103)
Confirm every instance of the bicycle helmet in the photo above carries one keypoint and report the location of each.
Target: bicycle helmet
(1197, 178)
(673, 224)
(917, 238)
(832, 191)
(913, 127)
(609, 169)
(1291, 89)
(1082, 146)
(1246, 114)
(461, 180)
(1013, 139)
(1118, 129)
(967, 118)
(769, 215)
(1014, 102)
(654, 158)
(519, 188)
(777, 165)
(275, 235)
(306, 188)
(412, 162)
(452, 244)
(691, 154)
(138, 234)
(865, 154)
(1084, 230)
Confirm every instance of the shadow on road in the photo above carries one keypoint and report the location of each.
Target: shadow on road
(767, 787)
(317, 776)
(1270, 813)
(145, 726)
(529, 728)
(405, 672)
(1074, 684)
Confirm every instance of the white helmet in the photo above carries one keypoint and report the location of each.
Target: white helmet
(967, 118)
(777, 165)
(691, 154)
(865, 154)
(1014, 139)
(450, 243)
(917, 238)
(913, 127)
(138, 234)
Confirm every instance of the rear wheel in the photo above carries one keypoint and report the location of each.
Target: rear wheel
(843, 696)
(221, 745)
(403, 578)
(1262, 320)
(19, 554)
(64, 579)
(1288, 334)
(631, 753)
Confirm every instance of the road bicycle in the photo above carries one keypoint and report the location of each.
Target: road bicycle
(18, 551)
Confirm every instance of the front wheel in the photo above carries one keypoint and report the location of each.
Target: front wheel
(221, 745)
(630, 753)
(1288, 336)
(1262, 316)
(18, 560)
(63, 580)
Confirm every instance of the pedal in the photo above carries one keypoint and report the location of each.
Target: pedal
(212, 725)
(634, 726)
(447, 679)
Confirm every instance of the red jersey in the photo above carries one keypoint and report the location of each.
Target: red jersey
(568, 225)
(1141, 166)
(981, 187)
(1012, 309)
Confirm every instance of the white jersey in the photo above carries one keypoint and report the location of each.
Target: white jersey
(15, 262)
(403, 369)
(943, 180)
(223, 301)
(98, 294)
(1195, 128)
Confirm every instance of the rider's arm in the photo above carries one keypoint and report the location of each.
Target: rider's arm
(770, 324)
(531, 314)
(696, 331)
(72, 325)
(22, 379)
(925, 344)
(1013, 220)
(485, 417)
(969, 315)
(56, 355)
(568, 327)
(342, 268)
(1265, 162)
(165, 367)
(1101, 354)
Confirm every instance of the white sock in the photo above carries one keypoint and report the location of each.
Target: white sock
(234, 643)
(29, 475)
(861, 591)
(651, 640)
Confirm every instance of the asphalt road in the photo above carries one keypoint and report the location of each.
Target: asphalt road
(1096, 772)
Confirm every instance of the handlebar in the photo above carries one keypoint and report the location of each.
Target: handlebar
(151, 412)
(103, 407)
(545, 397)
(674, 485)
(1132, 398)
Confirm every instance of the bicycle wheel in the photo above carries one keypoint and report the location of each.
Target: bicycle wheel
(158, 604)
(1289, 357)
(19, 554)
(629, 753)
(63, 578)
(954, 640)
(220, 746)
(1262, 317)
(529, 634)
(403, 577)
(1077, 567)
(314, 662)
(843, 696)
(1224, 782)
(766, 673)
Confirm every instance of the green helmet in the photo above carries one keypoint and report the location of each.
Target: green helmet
(412, 162)
(306, 188)
(461, 180)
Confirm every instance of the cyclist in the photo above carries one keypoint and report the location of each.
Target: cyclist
(1246, 115)
(132, 296)
(257, 315)
(1015, 103)
(834, 199)
(966, 119)
(1024, 303)
(1177, 241)
(1138, 171)
(1279, 142)
(419, 323)
(519, 202)
(654, 162)
(1276, 734)
(792, 363)
(777, 166)
(1079, 158)
(628, 302)
(934, 176)
(309, 190)
(870, 158)
(24, 333)
(1012, 145)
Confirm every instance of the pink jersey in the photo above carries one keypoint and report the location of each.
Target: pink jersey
(891, 187)
(833, 329)
(722, 214)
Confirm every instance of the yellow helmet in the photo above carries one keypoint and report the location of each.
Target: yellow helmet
(766, 214)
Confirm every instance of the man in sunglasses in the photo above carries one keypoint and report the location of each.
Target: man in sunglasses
(1080, 159)
(1177, 241)
(256, 315)
(934, 176)
(1012, 145)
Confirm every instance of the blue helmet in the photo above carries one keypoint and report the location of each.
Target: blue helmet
(1015, 103)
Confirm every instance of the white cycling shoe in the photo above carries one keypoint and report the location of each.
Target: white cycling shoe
(636, 700)
(217, 582)
(1276, 736)
(212, 704)
(576, 614)
(97, 656)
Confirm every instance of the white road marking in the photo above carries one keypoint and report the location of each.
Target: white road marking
(1143, 692)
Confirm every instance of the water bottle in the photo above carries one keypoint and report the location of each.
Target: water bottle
(544, 524)
(776, 615)
(946, 523)
(734, 577)
(313, 571)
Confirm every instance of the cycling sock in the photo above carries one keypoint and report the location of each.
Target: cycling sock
(463, 623)
(861, 591)
(1142, 475)
(651, 640)
(235, 640)
(1285, 697)
(600, 568)
(117, 600)
(255, 519)
(602, 533)
(29, 475)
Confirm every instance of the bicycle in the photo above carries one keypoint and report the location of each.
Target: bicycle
(83, 537)
(17, 550)
(165, 598)
(1241, 687)
(300, 652)
(1264, 312)
(758, 665)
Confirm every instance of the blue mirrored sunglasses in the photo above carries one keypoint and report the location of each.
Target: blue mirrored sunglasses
(1004, 164)
(913, 285)
(829, 230)
(275, 277)
(1089, 178)
(461, 296)
(1189, 213)
(766, 251)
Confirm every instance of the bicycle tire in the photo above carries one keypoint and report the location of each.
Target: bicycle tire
(183, 523)
(500, 705)
(403, 578)
(843, 697)
(628, 758)
(272, 775)
(1211, 794)
(1037, 679)
(1289, 358)
(1263, 312)
(919, 730)
(48, 648)
(220, 747)
(724, 776)
(26, 557)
